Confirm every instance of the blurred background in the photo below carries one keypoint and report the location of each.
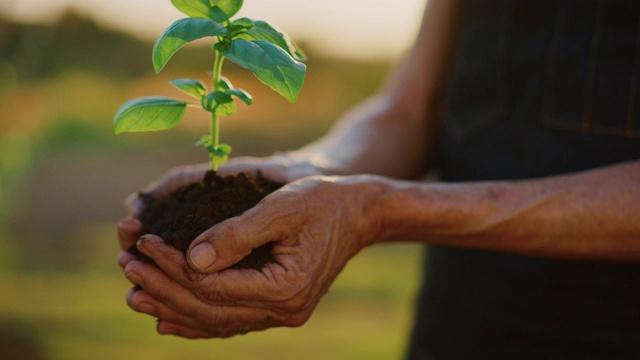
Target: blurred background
(65, 68)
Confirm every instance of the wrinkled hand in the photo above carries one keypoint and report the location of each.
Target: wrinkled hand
(280, 168)
(316, 225)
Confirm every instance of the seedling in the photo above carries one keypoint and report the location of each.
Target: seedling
(255, 45)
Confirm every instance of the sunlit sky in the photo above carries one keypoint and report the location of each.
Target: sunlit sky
(345, 28)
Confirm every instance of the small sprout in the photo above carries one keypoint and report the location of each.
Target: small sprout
(254, 45)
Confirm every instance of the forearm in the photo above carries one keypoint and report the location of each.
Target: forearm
(589, 215)
(376, 137)
(392, 134)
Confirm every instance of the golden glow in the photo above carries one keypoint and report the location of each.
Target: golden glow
(344, 28)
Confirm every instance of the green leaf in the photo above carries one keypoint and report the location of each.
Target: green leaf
(225, 83)
(216, 10)
(270, 64)
(219, 15)
(241, 94)
(227, 109)
(243, 22)
(223, 149)
(230, 7)
(262, 30)
(227, 86)
(220, 103)
(149, 114)
(194, 8)
(192, 87)
(205, 141)
(220, 154)
(180, 33)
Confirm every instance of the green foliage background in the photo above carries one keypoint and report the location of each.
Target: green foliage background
(63, 176)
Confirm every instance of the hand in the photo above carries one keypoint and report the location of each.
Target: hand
(316, 225)
(129, 229)
(282, 168)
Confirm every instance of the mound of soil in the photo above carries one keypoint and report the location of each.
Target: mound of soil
(186, 213)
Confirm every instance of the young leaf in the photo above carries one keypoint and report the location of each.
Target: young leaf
(230, 7)
(194, 8)
(149, 114)
(205, 141)
(241, 94)
(228, 88)
(192, 87)
(220, 103)
(178, 34)
(262, 30)
(220, 154)
(227, 109)
(225, 83)
(243, 22)
(270, 64)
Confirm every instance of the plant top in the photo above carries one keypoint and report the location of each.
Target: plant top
(253, 44)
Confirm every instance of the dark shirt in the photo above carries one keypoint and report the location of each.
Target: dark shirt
(538, 88)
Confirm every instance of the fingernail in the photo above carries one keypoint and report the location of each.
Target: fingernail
(133, 277)
(203, 255)
(124, 258)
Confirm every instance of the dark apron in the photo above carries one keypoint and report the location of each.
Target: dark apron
(538, 88)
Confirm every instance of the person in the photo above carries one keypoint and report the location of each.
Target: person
(530, 112)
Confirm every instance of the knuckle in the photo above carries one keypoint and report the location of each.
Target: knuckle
(295, 299)
(294, 304)
(298, 319)
(231, 226)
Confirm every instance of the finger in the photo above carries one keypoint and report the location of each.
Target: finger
(169, 259)
(129, 231)
(175, 178)
(245, 287)
(133, 204)
(168, 328)
(232, 240)
(273, 287)
(173, 295)
(142, 302)
(124, 258)
(167, 183)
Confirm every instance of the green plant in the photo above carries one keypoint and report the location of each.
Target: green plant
(255, 45)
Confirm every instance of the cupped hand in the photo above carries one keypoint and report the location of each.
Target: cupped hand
(129, 229)
(315, 224)
(282, 168)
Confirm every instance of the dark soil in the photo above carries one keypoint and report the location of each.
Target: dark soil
(186, 213)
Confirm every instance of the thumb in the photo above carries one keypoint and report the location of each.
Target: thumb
(231, 241)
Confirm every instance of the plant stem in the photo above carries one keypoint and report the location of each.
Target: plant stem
(215, 119)
(215, 139)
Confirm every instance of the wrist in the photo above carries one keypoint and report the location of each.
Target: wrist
(440, 213)
(372, 190)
